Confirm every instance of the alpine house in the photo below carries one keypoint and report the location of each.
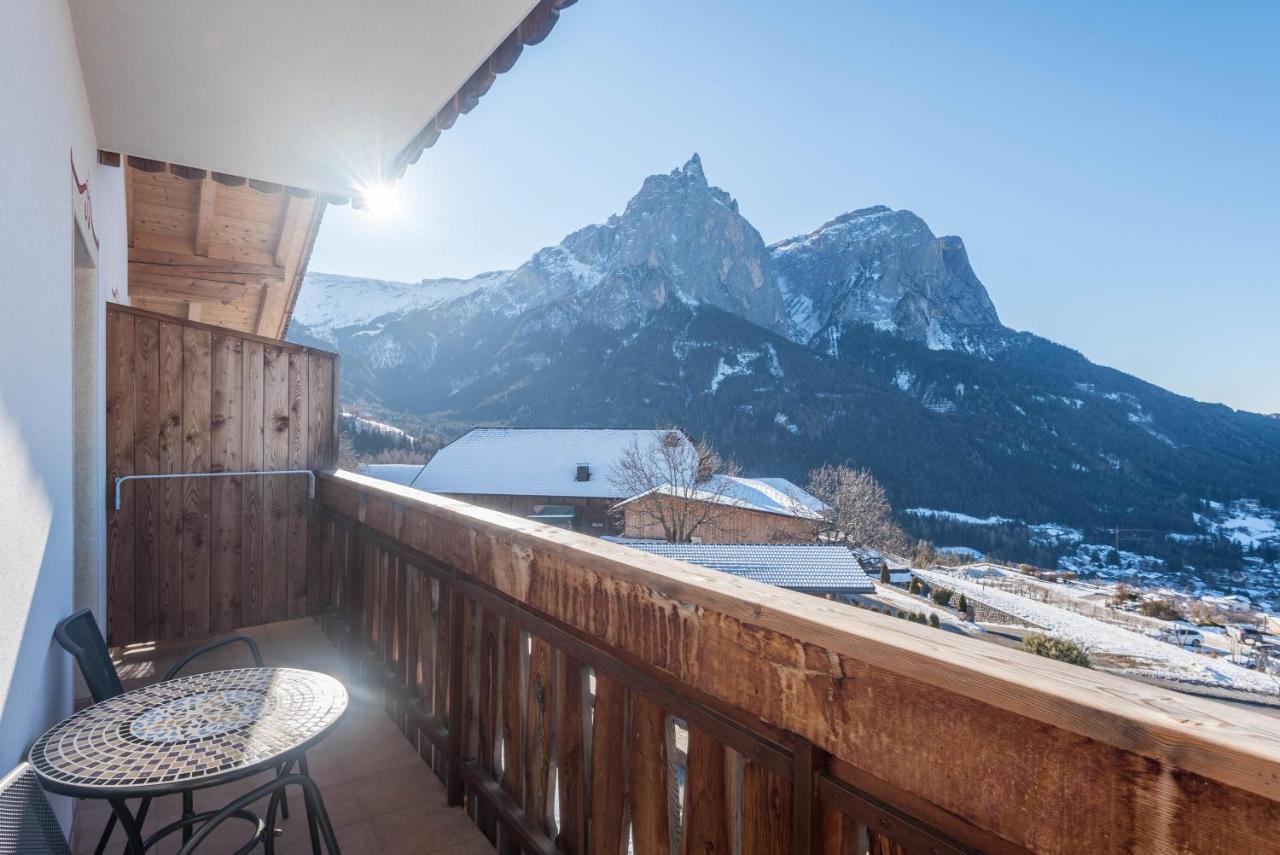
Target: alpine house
(513, 685)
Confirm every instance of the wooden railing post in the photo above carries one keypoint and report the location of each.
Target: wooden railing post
(806, 818)
(455, 700)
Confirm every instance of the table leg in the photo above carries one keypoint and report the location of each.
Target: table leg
(311, 814)
(130, 826)
(188, 811)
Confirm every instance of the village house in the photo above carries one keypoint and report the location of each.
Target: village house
(747, 510)
(170, 469)
(561, 477)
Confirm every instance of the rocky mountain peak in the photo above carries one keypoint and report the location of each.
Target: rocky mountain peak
(883, 267)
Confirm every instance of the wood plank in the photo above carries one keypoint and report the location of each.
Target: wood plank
(146, 458)
(290, 212)
(570, 758)
(207, 199)
(538, 748)
(513, 708)
(321, 398)
(647, 751)
(766, 811)
(164, 263)
(172, 571)
(176, 289)
(253, 490)
(840, 834)
(607, 828)
(226, 449)
(120, 415)
(299, 505)
(196, 494)
(490, 679)
(705, 817)
(275, 527)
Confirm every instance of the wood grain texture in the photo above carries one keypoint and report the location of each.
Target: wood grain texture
(146, 459)
(766, 811)
(607, 829)
(121, 403)
(1111, 764)
(201, 555)
(705, 821)
(196, 494)
(570, 758)
(299, 439)
(647, 752)
(538, 748)
(275, 530)
(253, 490)
(171, 446)
(227, 500)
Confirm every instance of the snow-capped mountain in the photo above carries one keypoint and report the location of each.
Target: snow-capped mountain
(869, 340)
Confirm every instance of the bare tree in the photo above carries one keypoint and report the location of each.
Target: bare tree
(675, 484)
(857, 511)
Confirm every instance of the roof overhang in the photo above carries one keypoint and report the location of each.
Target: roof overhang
(328, 95)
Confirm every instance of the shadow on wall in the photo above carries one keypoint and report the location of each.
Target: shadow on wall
(38, 583)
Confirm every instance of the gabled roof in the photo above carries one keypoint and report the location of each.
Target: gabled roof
(531, 462)
(810, 568)
(767, 495)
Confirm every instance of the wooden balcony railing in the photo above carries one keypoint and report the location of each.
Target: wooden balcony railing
(576, 695)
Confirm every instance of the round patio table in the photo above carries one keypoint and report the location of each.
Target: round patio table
(185, 734)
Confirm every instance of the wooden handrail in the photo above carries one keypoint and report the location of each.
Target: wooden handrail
(986, 745)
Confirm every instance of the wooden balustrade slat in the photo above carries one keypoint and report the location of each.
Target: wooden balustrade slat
(647, 753)
(841, 834)
(706, 813)
(538, 733)
(570, 758)
(146, 495)
(606, 828)
(512, 711)
(488, 711)
(226, 442)
(766, 811)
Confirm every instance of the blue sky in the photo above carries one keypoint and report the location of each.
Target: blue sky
(1114, 168)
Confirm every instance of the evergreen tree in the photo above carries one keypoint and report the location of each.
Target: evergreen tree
(933, 620)
(884, 573)
(963, 605)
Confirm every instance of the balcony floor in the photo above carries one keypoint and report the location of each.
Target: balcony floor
(381, 797)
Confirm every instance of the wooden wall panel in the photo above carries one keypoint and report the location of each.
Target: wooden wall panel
(191, 556)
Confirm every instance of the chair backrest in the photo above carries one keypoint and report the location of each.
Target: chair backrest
(27, 823)
(79, 635)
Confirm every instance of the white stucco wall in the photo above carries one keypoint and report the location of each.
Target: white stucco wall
(45, 125)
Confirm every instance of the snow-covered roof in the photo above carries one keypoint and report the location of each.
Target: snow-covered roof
(397, 473)
(799, 567)
(531, 462)
(770, 495)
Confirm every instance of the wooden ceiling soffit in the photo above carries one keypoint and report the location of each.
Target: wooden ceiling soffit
(229, 251)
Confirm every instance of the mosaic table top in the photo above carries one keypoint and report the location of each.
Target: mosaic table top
(188, 732)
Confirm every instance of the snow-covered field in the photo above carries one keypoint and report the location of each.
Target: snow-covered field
(1141, 655)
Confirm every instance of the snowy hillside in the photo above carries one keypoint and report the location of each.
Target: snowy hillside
(327, 301)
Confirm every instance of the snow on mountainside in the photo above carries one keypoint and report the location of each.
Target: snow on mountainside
(328, 301)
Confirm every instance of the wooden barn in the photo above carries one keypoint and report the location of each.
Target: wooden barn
(741, 510)
(560, 477)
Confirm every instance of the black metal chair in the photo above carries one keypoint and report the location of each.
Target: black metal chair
(27, 823)
(80, 636)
